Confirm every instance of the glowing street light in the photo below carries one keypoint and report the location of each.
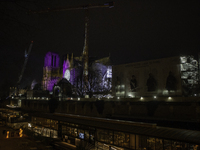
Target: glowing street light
(20, 132)
(7, 136)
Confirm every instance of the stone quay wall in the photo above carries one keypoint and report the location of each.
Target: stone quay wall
(177, 108)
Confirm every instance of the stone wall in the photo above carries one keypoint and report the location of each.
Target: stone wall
(182, 108)
(159, 71)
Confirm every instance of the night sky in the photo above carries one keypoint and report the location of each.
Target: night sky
(134, 30)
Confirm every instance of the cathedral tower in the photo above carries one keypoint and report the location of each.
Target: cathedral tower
(51, 71)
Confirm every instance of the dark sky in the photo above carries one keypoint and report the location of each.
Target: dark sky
(134, 30)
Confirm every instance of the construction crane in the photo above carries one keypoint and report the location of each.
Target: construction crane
(85, 47)
(24, 66)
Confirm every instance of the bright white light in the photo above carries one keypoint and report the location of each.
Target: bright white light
(71, 98)
(12, 106)
(141, 98)
(29, 125)
(169, 98)
(195, 94)
(132, 96)
(154, 97)
(67, 74)
(109, 72)
(165, 92)
(183, 59)
(78, 98)
(118, 98)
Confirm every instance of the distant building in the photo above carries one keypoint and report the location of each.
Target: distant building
(14, 92)
(161, 77)
(99, 75)
(37, 94)
(52, 72)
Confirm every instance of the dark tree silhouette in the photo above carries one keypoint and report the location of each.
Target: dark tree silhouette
(53, 104)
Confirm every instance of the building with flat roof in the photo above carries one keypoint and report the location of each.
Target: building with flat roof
(106, 134)
(174, 76)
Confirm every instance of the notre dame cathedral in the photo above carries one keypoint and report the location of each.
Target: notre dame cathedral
(70, 74)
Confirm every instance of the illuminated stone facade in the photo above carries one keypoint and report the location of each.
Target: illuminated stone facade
(189, 74)
(51, 71)
(160, 77)
(72, 68)
(99, 77)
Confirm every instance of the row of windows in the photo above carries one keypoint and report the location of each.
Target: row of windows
(126, 140)
(119, 139)
(87, 135)
(53, 124)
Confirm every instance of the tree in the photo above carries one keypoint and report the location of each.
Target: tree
(98, 83)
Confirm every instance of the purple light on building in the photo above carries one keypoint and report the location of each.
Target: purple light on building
(51, 84)
(51, 66)
(51, 60)
(66, 66)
